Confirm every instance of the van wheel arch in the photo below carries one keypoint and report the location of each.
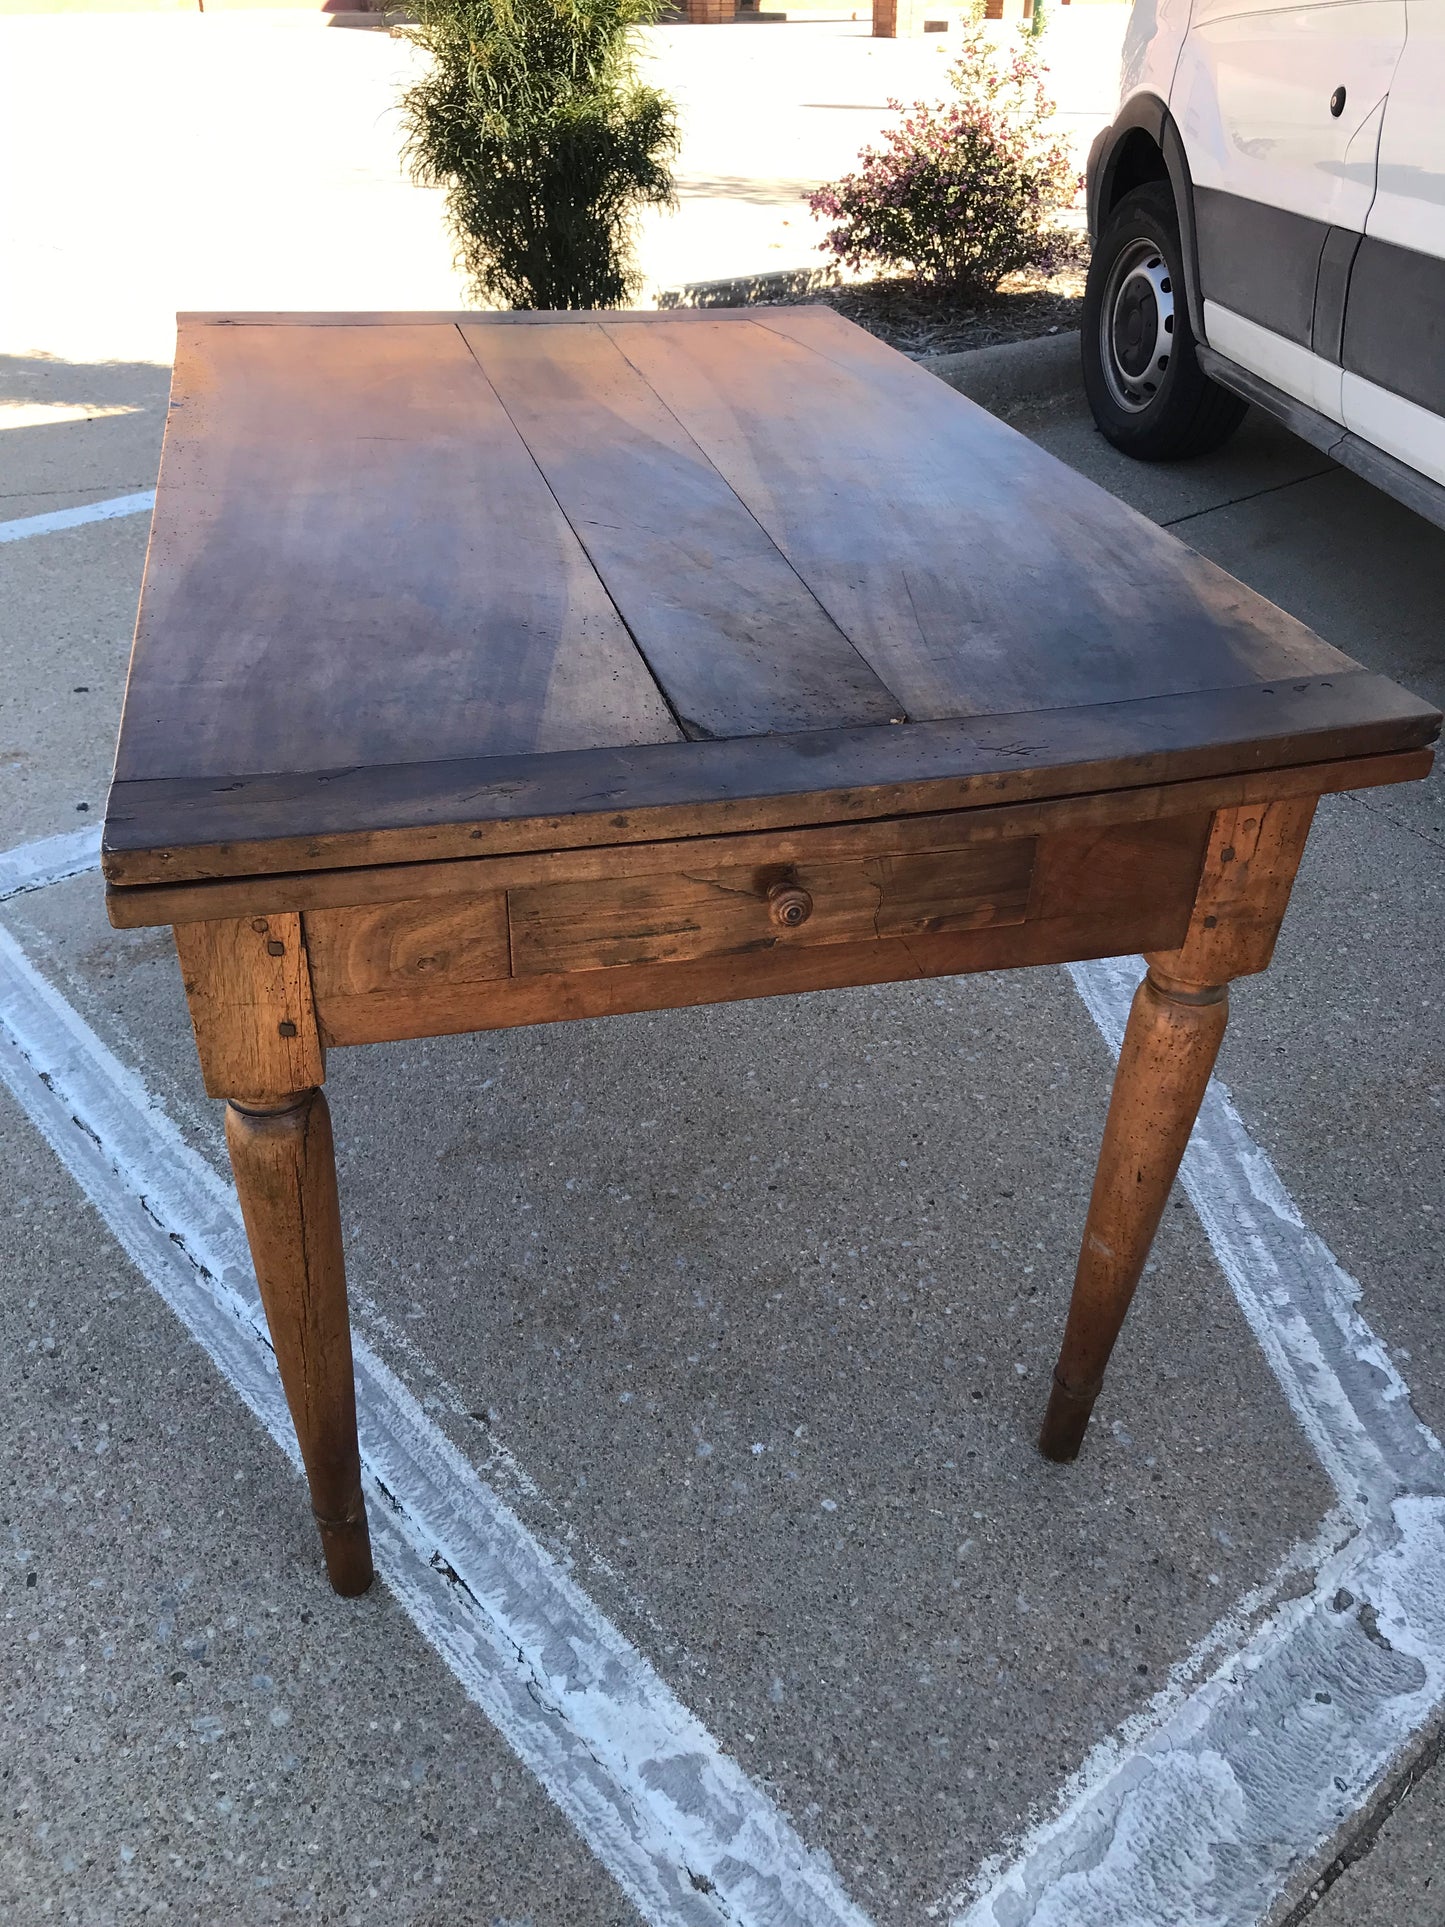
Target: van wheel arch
(1143, 146)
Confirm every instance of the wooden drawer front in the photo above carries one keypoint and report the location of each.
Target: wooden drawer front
(389, 946)
(677, 916)
(696, 932)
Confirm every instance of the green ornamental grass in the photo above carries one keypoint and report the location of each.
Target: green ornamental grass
(534, 120)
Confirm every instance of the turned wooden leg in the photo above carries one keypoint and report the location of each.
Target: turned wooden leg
(248, 983)
(285, 1170)
(1169, 1050)
(1172, 1039)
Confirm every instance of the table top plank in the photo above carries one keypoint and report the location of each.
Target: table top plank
(738, 643)
(369, 633)
(974, 571)
(353, 561)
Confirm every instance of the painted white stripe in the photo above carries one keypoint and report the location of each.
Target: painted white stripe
(686, 1835)
(1232, 1788)
(24, 525)
(34, 865)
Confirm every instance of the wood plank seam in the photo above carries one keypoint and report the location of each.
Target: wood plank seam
(680, 721)
(692, 727)
(900, 714)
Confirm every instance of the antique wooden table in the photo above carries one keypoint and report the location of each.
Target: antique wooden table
(498, 669)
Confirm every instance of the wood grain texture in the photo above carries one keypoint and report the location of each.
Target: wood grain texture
(249, 988)
(702, 912)
(452, 1009)
(735, 639)
(354, 561)
(1103, 869)
(1176, 1024)
(368, 633)
(460, 939)
(285, 1168)
(1244, 891)
(1068, 894)
(145, 904)
(422, 812)
(1170, 1044)
(975, 572)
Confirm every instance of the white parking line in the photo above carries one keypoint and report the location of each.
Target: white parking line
(35, 865)
(57, 519)
(679, 1826)
(1229, 1790)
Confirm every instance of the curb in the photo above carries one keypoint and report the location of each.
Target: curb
(748, 290)
(1000, 376)
(1012, 371)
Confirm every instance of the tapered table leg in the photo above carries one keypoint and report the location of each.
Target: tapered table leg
(1170, 1045)
(285, 1170)
(1172, 1039)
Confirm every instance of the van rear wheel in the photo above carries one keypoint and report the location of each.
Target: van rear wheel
(1148, 393)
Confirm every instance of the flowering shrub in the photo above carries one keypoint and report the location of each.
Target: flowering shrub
(963, 193)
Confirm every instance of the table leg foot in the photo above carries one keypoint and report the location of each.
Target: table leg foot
(346, 1547)
(283, 1158)
(1066, 1419)
(1170, 1045)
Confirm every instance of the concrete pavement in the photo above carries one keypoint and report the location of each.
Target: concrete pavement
(761, 1375)
(1394, 1873)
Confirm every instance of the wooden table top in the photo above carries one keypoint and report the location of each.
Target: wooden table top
(428, 586)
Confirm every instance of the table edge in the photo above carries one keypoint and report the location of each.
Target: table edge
(173, 831)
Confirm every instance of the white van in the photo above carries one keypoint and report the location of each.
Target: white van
(1268, 219)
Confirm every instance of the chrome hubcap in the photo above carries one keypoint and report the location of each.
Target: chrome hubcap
(1136, 326)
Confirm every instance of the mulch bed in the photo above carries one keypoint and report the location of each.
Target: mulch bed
(922, 321)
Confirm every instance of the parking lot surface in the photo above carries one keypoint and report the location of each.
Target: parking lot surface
(731, 1327)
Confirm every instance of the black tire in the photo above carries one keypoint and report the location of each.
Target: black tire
(1145, 386)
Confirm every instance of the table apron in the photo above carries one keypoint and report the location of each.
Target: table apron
(696, 933)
